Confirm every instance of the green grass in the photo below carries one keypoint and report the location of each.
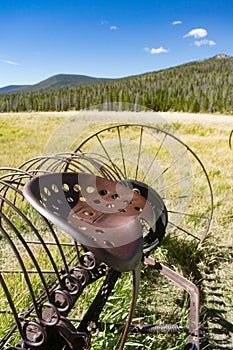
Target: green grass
(210, 266)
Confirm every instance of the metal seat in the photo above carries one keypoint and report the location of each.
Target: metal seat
(103, 215)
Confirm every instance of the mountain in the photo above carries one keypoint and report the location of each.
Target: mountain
(12, 88)
(55, 82)
(199, 86)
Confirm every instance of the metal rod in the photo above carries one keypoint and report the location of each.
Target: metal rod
(135, 290)
(193, 291)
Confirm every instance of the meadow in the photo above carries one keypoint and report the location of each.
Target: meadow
(210, 265)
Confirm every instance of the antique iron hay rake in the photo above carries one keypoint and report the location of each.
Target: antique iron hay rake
(116, 196)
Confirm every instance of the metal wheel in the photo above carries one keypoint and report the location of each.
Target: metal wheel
(144, 155)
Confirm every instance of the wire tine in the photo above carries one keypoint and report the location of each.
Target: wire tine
(183, 230)
(139, 152)
(169, 167)
(14, 311)
(121, 149)
(154, 157)
(23, 267)
(187, 214)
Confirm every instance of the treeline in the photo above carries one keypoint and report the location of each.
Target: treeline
(203, 86)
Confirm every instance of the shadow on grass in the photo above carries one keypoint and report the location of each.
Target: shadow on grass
(201, 264)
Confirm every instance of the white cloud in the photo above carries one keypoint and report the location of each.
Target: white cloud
(155, 51)
(196, 33)
(10, 62)
(113, 28)
(174, 23)
(199, 43)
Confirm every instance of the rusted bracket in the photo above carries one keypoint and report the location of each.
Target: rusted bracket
(192, 289)
(92, 315)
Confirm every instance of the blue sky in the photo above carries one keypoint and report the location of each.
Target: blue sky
(113, 38)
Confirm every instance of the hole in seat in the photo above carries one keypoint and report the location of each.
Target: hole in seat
(55, 188)
(77, 188)
(103, 192)
(65, 187)
(109, 244)
(90, 189)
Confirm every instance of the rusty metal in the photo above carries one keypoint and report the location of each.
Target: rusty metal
(131, 211)
(100, 214)
(192, 289)
(230, 139)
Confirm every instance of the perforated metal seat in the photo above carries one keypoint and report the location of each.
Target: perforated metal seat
(103, 215)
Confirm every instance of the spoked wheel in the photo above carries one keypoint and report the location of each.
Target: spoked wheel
(158, 163)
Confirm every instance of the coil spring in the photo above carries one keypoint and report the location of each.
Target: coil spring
(162, 328)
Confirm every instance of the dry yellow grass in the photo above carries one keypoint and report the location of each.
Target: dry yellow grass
(23, 136)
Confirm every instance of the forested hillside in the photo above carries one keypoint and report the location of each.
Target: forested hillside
(201, 86)
(58, 81)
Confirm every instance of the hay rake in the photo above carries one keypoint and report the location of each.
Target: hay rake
(116, 196)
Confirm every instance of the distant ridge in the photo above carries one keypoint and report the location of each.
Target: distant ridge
(200, 86)
(60, 81)
(55, 82)
(12, 88)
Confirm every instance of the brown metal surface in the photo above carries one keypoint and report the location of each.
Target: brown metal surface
(101, 214)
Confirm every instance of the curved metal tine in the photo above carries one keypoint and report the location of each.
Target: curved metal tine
(135, 292)
(105, 168)
(41, 160)
(230, 139)
(56, 162)
(35, 231)
(11, 173)
(77, 162)
(14, 311)
(53, 160)
(21, 175)
(20, 260)
(122, 174)
(64, 159)
(120, 129)
(24, 242)
(54, 235)
(60, 162)
(14, 178)
(96, 135)
(30, 163)
(99, 165)
(5, 186)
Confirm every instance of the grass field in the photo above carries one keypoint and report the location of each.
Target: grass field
(23, 136)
